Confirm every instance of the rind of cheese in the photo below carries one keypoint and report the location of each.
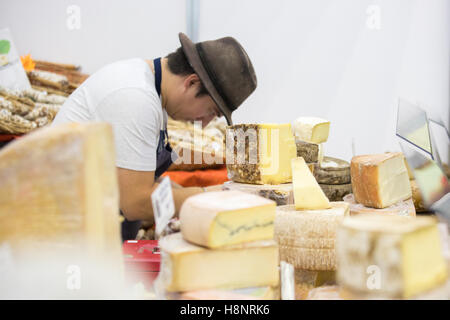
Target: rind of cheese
(187, 267)
(336, 192)
(404, 253)
(307, 192)
(381, 180)
(312, 129)
(402, 208)
(417, 197)
(260, 153)
(307, 238)
(282, 194)
(59, 190)
(308, 151)
(332, 171)
(216, 219)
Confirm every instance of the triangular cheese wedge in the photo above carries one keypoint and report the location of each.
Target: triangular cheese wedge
(307, 192)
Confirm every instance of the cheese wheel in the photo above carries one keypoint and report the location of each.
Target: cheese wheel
(402, 208)
(332, 171)
(282, 194)
(336, 192)
(306, 238)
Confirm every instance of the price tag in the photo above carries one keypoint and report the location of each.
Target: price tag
(163, 205)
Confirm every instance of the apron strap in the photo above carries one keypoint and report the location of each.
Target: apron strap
(157, 65)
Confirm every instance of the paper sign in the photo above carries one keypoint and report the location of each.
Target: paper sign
(287, 281)
(163, 205)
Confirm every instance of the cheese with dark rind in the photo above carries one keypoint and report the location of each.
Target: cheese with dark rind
(282, 194)
(332, 171)
(308, 151)
(336, 192)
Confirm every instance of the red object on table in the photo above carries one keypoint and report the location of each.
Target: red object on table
(8, 137)
(142, 260)
(198, 178)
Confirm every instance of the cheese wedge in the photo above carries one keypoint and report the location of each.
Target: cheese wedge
(260, 153)
(282, 194)
(187, 267)
(222, 218)
(312, 129)
(306, 238)
(307, 192)
(380, 180)
(59, 190)
(398, 257)
(307, 280)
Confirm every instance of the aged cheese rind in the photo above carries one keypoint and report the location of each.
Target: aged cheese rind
(381, 180)
(308, 151)
(282, 194)
(307, 238)
(336, 192)
(402, 208)
(307, 192)
(215, 219)
(332, 171)
(261, 153)
(417, 197)
(406, 254)
(187, 267)
(59, 190)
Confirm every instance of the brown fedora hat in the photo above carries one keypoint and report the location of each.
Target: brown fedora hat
(225, 70)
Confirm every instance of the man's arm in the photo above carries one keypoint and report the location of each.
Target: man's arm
(136, 188)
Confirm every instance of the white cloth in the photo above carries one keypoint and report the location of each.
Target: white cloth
(123, 94)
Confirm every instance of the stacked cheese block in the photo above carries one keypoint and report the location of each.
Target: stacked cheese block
(391, 257)
(226, 243)
(380, 185)
(59, 205)
(259, 160)
(306, 231)
(333, 175)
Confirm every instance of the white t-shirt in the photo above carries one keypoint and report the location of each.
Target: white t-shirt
(123, 94)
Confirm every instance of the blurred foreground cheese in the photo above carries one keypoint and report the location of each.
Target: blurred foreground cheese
(380, 180)
(306, 238)
(59, 191)
(187, 267)
(312, 129)
(261, 153)
(307, 192)
(307, 280)
(216, 219)
(261, 293)
(393, 256)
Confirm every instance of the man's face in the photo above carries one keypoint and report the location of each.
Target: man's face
(186, 105)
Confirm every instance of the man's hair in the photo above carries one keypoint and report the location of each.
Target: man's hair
(179, 65)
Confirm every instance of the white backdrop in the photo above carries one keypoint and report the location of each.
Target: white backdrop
(345, 60)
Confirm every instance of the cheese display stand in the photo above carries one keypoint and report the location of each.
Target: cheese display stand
(347, 229)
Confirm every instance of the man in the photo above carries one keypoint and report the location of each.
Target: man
(196, 82)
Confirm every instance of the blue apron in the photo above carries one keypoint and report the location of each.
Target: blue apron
(163, 160)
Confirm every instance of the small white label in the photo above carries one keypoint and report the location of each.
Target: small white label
(287, 281)
(163, 205)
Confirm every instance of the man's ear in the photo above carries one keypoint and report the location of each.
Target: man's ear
(190, 81)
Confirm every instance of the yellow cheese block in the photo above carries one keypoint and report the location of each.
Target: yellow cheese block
(307, 192)
(59, 191)
(260, 153)
(216, 219)
(312, 129)
(380, 180)
(187, 267)
(397, 257)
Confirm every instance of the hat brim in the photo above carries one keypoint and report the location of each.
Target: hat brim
(194, 60)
